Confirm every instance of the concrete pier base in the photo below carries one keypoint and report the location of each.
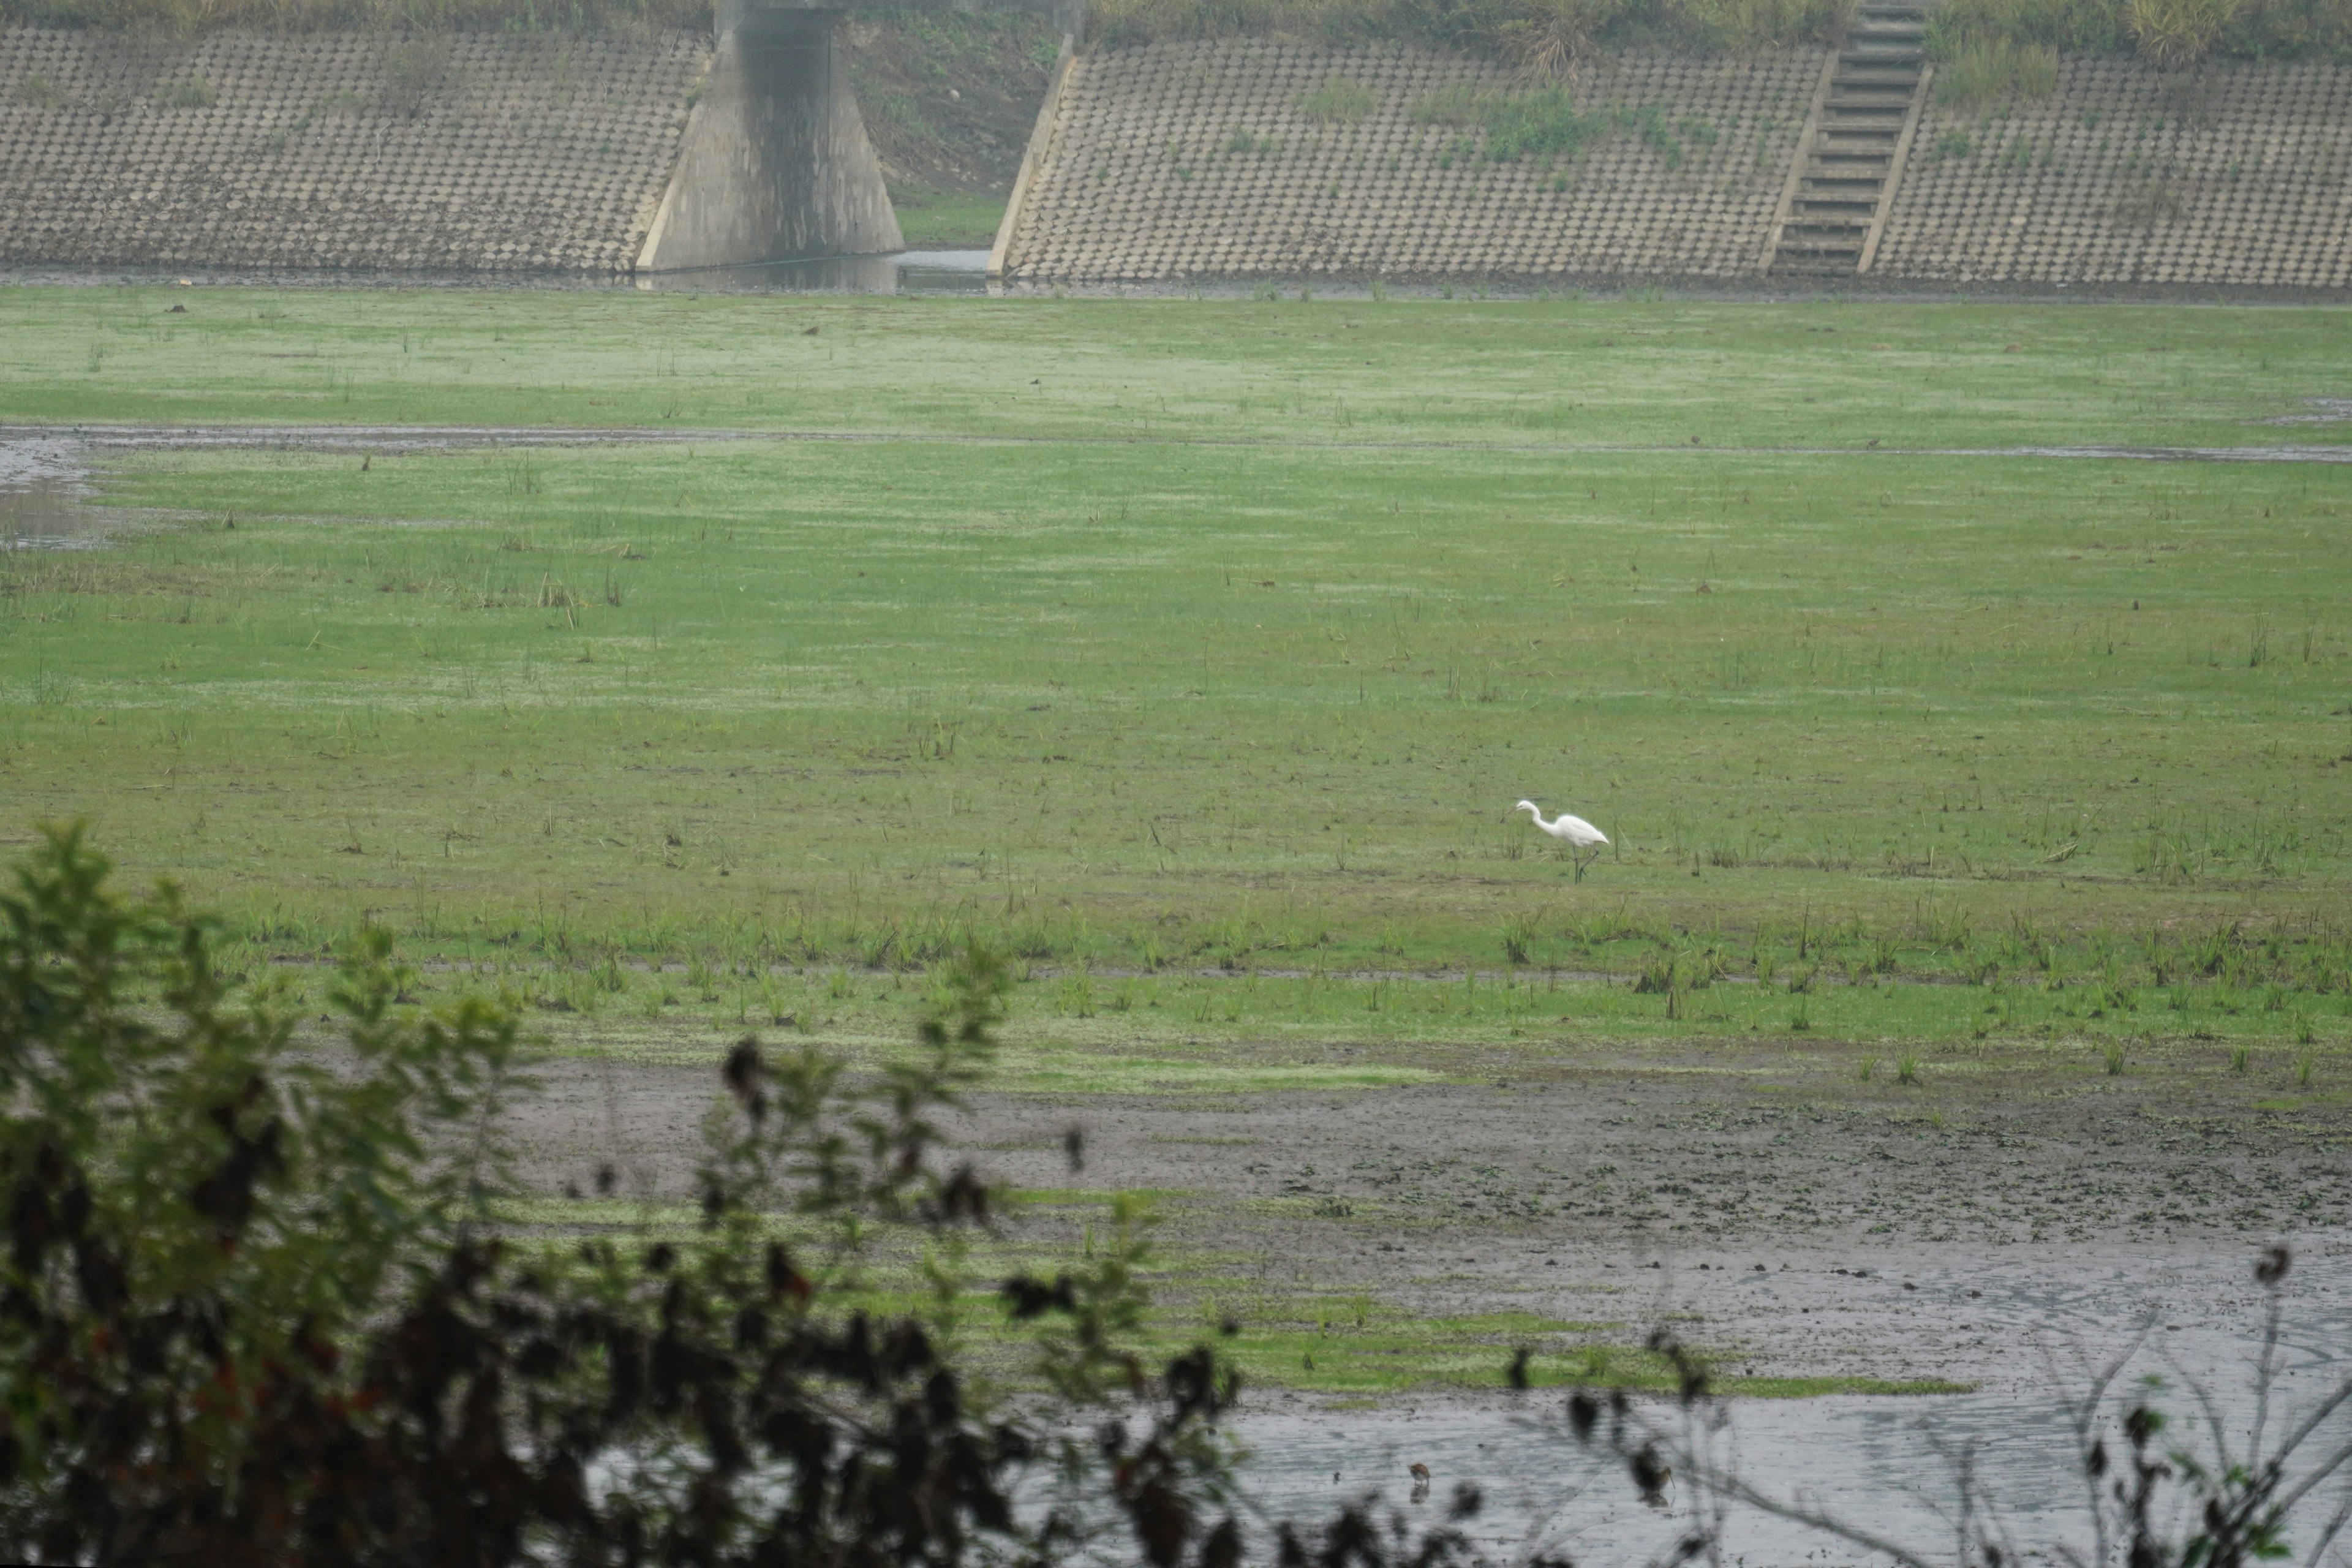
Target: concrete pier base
(775, 162)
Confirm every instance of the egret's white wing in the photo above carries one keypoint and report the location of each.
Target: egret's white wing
(1577, 831)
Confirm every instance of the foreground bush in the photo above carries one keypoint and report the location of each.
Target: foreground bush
(250, 1311)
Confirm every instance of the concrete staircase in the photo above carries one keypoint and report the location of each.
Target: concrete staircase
(1856, 141)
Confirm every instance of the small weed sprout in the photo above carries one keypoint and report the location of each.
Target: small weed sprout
(1519, 935)
(771, 1000)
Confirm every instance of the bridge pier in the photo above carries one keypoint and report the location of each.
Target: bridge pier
(775, 164)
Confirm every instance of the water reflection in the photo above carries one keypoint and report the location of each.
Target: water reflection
(41, 494)
(899, 272)
(902, 272)
(43, 515)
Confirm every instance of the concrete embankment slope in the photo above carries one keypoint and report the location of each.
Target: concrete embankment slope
(466, 153)
(1208, 161)
(2240, 177)
(1223, 161)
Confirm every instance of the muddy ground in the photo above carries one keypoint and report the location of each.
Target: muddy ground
(1817, 1225)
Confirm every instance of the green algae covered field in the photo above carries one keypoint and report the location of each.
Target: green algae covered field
(1966, 689)
(1152, 630)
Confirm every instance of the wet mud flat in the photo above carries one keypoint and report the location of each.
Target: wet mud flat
(2010, 1232)
(1797, 1222)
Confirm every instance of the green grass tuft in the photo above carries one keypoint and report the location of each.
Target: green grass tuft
(1339, 101)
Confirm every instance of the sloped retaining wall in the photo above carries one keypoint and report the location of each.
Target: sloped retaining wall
(2240, 177)
(2234, 177)
(1181, 161)
(463, 152)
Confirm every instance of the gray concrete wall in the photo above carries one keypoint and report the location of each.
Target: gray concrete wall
(775, 161)
(338, 151)
(1202, 161)
(2238, 176)
(452, 153)
(1205, 160)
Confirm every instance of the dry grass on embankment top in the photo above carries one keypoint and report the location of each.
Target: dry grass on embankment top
(182, 17)
(1547, 35)
(1551, 36)
(2003, 45)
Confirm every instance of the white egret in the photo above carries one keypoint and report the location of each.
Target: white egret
(1573, 831)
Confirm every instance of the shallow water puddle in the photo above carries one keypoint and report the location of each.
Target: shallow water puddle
(960, 271)
(45, 515)
(895, 272)
(45, 474)
(24, 447)
(1886, 1465)
(41, 494)
(2319, 411)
